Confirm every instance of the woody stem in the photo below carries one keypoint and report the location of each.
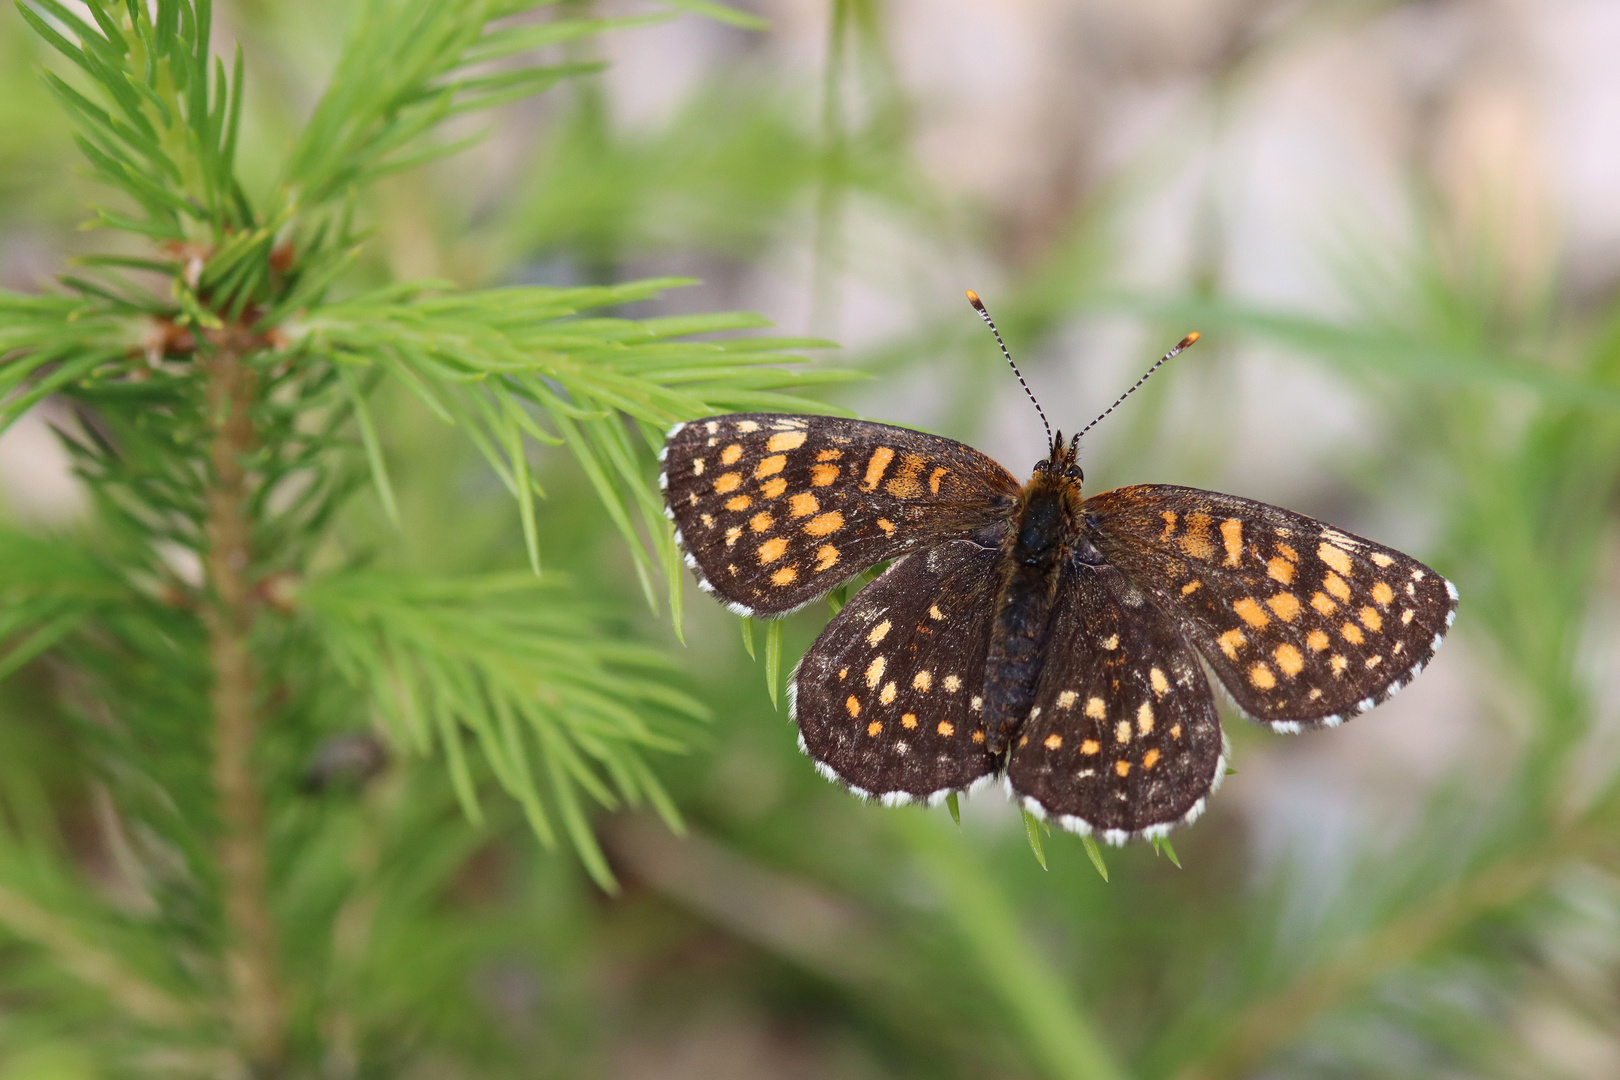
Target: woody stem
(254, 1002)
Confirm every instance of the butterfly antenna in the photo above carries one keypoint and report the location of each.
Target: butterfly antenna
(1182, 345)
(978, 305)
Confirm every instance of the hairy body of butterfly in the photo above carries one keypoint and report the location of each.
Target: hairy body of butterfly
(1028, 631)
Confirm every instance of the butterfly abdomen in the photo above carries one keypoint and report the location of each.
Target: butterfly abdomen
(1033, 553)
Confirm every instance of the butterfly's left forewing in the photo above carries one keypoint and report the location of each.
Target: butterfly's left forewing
(1304, 624)
(774, 510)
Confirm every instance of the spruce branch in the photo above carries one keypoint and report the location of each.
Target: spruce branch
(497, 361)
(559, 713)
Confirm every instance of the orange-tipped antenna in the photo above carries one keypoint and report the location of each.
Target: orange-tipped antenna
(1184, 343)
(978, 305)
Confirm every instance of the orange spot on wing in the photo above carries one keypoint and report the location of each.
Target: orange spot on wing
(825, 524)
(1382, 593)
(1196, 540)
(1251, 612)
(739, 502)
(822, 475)
(772, 549)
(787, 440)
(727, 482)
(1232, 540)
(1285, 605)
(935, 477)
(1280, 569)
(826, 556)
(770, 466)
(875, 466)
(731, 454)
(761, 522)
(1090, 746)
(1335, 585)
(1123, 768)
(1260, 675)
(784, 577)
(1230, 642)
(1316, 641)
(829, 455)
(904, 484)
(773, 487)
(1337, 558)
(946, 728)
(1151, 758)
(1053, 741)
(853, 705)
(1290, 660)
(803, 505)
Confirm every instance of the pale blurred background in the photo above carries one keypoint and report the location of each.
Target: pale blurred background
(1422, 176)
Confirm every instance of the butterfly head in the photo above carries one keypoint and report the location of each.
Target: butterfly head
(1063, 459)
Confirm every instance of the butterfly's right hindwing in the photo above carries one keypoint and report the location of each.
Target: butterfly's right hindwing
(889, 700)
(1123, 739)
(775, 511)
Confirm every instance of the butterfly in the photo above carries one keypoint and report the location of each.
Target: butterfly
(1030, 631)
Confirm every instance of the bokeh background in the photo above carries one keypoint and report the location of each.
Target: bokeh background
(1395, 224)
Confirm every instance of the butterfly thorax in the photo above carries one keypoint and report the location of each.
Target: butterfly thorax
(1043, 533)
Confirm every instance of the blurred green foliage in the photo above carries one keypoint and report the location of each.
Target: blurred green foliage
(434, 719)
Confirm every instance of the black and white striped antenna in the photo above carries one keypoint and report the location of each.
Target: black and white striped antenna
(978, 305)
(1181, 345)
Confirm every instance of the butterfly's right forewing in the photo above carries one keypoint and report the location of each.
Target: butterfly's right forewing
(889, 700)
(775, 511)
(1303, 623)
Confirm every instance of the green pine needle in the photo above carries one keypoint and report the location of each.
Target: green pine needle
(1094, 853)
(1032, 833)
(773, 659)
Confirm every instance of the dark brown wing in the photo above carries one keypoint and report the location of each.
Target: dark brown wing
(774, 511)
(889, 698)
(1123, 739)
(1304, 624)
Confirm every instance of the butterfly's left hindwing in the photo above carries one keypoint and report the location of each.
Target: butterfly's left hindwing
(1304, 624)
(775, 511)
(889, 698)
